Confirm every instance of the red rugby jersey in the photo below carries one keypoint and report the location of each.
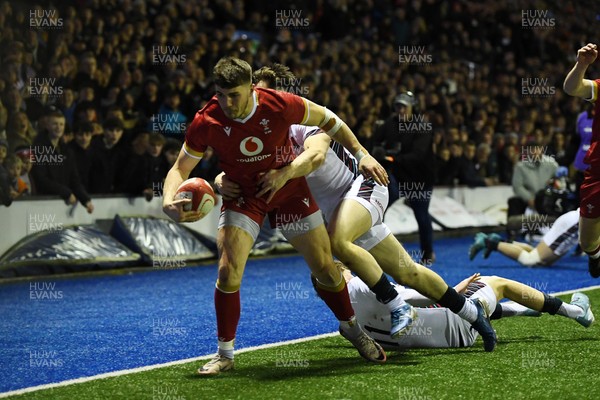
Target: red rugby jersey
(592, 157)
(247, 147)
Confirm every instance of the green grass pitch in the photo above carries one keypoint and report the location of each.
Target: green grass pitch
(536, 358)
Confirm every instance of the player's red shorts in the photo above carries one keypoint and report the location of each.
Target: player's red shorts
(589, 193)
(292, 203)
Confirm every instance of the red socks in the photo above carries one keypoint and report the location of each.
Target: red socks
(337, 299)
(227, 307)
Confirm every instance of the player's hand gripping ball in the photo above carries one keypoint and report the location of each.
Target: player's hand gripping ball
(200, 192)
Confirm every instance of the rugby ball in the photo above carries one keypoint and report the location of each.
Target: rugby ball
(200, 192)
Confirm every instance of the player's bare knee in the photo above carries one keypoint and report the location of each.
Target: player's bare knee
(529, 258)
(229, 276)
(340, 247)
(326, 272)
(494, 280)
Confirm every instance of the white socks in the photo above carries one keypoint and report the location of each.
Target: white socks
(570, 310)
(351, 328)
(226, 349)
(469, 311)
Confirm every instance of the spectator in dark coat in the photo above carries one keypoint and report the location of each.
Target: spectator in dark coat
(408, 140)
(450, 165)
(157, 163)
(136, 175)
(54, 169)
(469, 175)
(109, 157)
(80, 146)
(5, 197)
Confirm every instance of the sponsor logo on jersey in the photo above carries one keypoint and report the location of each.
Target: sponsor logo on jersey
(251, 147)
(227, 130)
(306, 201)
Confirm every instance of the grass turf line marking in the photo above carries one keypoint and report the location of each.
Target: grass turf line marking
(156, 366)
(204, 357)
(576, 290)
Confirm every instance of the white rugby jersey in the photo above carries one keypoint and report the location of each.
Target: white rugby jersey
(564, 233)
(433, 327)
(331, 181)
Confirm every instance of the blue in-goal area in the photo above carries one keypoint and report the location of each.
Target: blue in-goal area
(56, 329)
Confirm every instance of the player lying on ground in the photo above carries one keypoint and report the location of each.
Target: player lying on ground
(247, 128)
(438, 327)
(589, 193)
(554, 244)
(354, 208)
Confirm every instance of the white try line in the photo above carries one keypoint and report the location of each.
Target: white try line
(576, 290)
(205, 357)
(156, 366)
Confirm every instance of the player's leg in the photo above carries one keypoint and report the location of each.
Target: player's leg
(555, 243)
(521, 252)
(589, 238)
(302, 225)
(524, 246)
(235, 237)
(445, 329)
(312, 241)
(526, 255)
(361, 209)
(508, 308)
(589, 221)
(579, 309)
(350, 221)
(394, 260)
(513, 250)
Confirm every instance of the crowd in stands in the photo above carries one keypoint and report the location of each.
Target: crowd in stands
(95, 96)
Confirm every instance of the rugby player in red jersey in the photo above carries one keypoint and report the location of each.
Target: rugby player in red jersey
(247, 128)
(354, 208)
(589, 204)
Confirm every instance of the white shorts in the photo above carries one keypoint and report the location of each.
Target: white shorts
(371, 196)
(373, 237)
(564, 233)
(374, 198)
(289, 231)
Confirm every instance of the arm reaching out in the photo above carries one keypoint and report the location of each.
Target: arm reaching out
(574, 84)
(340, 132)
(313, 156)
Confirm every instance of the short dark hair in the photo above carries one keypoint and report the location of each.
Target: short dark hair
(84, 127)
(55, 114)
(113, 123)
(157, 138)
(231, 72)
(276, 76)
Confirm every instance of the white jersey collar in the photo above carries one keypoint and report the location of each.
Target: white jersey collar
(254, 107)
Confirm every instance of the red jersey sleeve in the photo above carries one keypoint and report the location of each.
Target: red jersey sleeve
(296, 110)
(194, 145)
(595, 86)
